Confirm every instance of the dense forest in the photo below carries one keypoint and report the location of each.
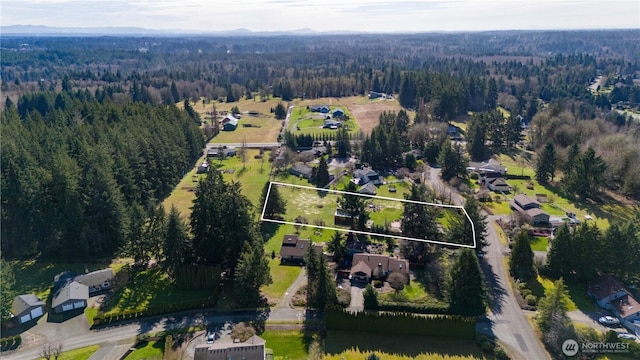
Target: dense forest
(76, 170)
(92, 139)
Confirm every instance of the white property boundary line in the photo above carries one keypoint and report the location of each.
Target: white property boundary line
(271, 183)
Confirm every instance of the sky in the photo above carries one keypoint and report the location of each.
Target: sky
(326, 15)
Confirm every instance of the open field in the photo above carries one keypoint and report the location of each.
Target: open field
(350, 345)
(265, 127)
(252, 179)
(538, 243)
(367, 112)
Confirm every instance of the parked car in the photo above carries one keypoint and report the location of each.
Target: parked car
(210, 338)
(627, 336)
(608, 320)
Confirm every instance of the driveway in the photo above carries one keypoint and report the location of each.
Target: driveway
(357, 298)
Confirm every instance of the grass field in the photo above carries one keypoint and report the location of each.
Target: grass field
(578, 298)
(350, 345)
(37, 276)
(151, 288)
(538, 243)
(147, 350)
(252, 179)
(286, 344)
(303, 121)
(78, 354)
(558, 205)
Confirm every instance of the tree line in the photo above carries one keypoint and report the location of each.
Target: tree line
(77, 172)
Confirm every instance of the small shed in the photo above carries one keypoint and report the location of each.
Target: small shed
(229, 123)
(27, 307)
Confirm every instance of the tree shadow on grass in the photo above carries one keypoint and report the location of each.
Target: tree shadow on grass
(268, 229)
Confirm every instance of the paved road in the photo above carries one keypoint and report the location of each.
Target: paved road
(126, 332)
(506, 321)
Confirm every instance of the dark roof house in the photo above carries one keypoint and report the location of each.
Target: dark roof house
(301, 170)
(319, 108)
(529, 209)
(293, 248)
(368, 189)
(227, 349)
(96, 280)
(27, 307)
(337, 113)
(367, 175)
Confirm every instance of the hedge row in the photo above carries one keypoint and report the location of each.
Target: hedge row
(151, 311)
(384, 305)
(10, 343)
(401, 324)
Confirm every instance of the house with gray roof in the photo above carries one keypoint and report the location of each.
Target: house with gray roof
(73, 295)
(27, 307)
(97, 280)
(368, 189)
(367, 175)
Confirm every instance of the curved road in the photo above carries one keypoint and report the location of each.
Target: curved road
(506, 321)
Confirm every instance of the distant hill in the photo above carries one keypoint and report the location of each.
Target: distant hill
(41, 30)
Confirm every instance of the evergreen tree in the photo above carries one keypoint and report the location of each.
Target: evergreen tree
(621, 250)
(467, 295)
(176, 247)
(343, 143)
(513, 129)
(554, 305)
(280, 111)
(370, 298)
(521, 260)
(476, 133)
(221, 221)
(419, 220)
(491, 98)
(321, 291)
(353, 205)
(276, 206)
(546, 166)
(586, 174)
(230, 96)
(587, 251)
(461, 231)
(174, 92)
(322, 177)
(337, 246)
(252, 272)
(7, 292)
(560, 257)
(451, 161)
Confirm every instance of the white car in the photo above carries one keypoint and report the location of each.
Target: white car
(608, 320)
(627, 336)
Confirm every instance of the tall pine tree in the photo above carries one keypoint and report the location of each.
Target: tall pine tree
(467, 295)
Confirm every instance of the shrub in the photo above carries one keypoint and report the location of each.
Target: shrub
(370, 298)
(531, 300)
(377, 283)
(344, 297)
(525, 293)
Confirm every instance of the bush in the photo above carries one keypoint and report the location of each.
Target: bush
(377, 283)
(370, 298)
(344, 298)
(531, 300)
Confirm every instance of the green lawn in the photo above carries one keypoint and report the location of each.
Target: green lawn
(287, 344)
(252, 179)
(151, 288)
(147, 350)
(413, 292)
(37, 276)
(539, 285)
(350, 345)
(78, 354)
(538, 243)
(303, 121)
(261, 130)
